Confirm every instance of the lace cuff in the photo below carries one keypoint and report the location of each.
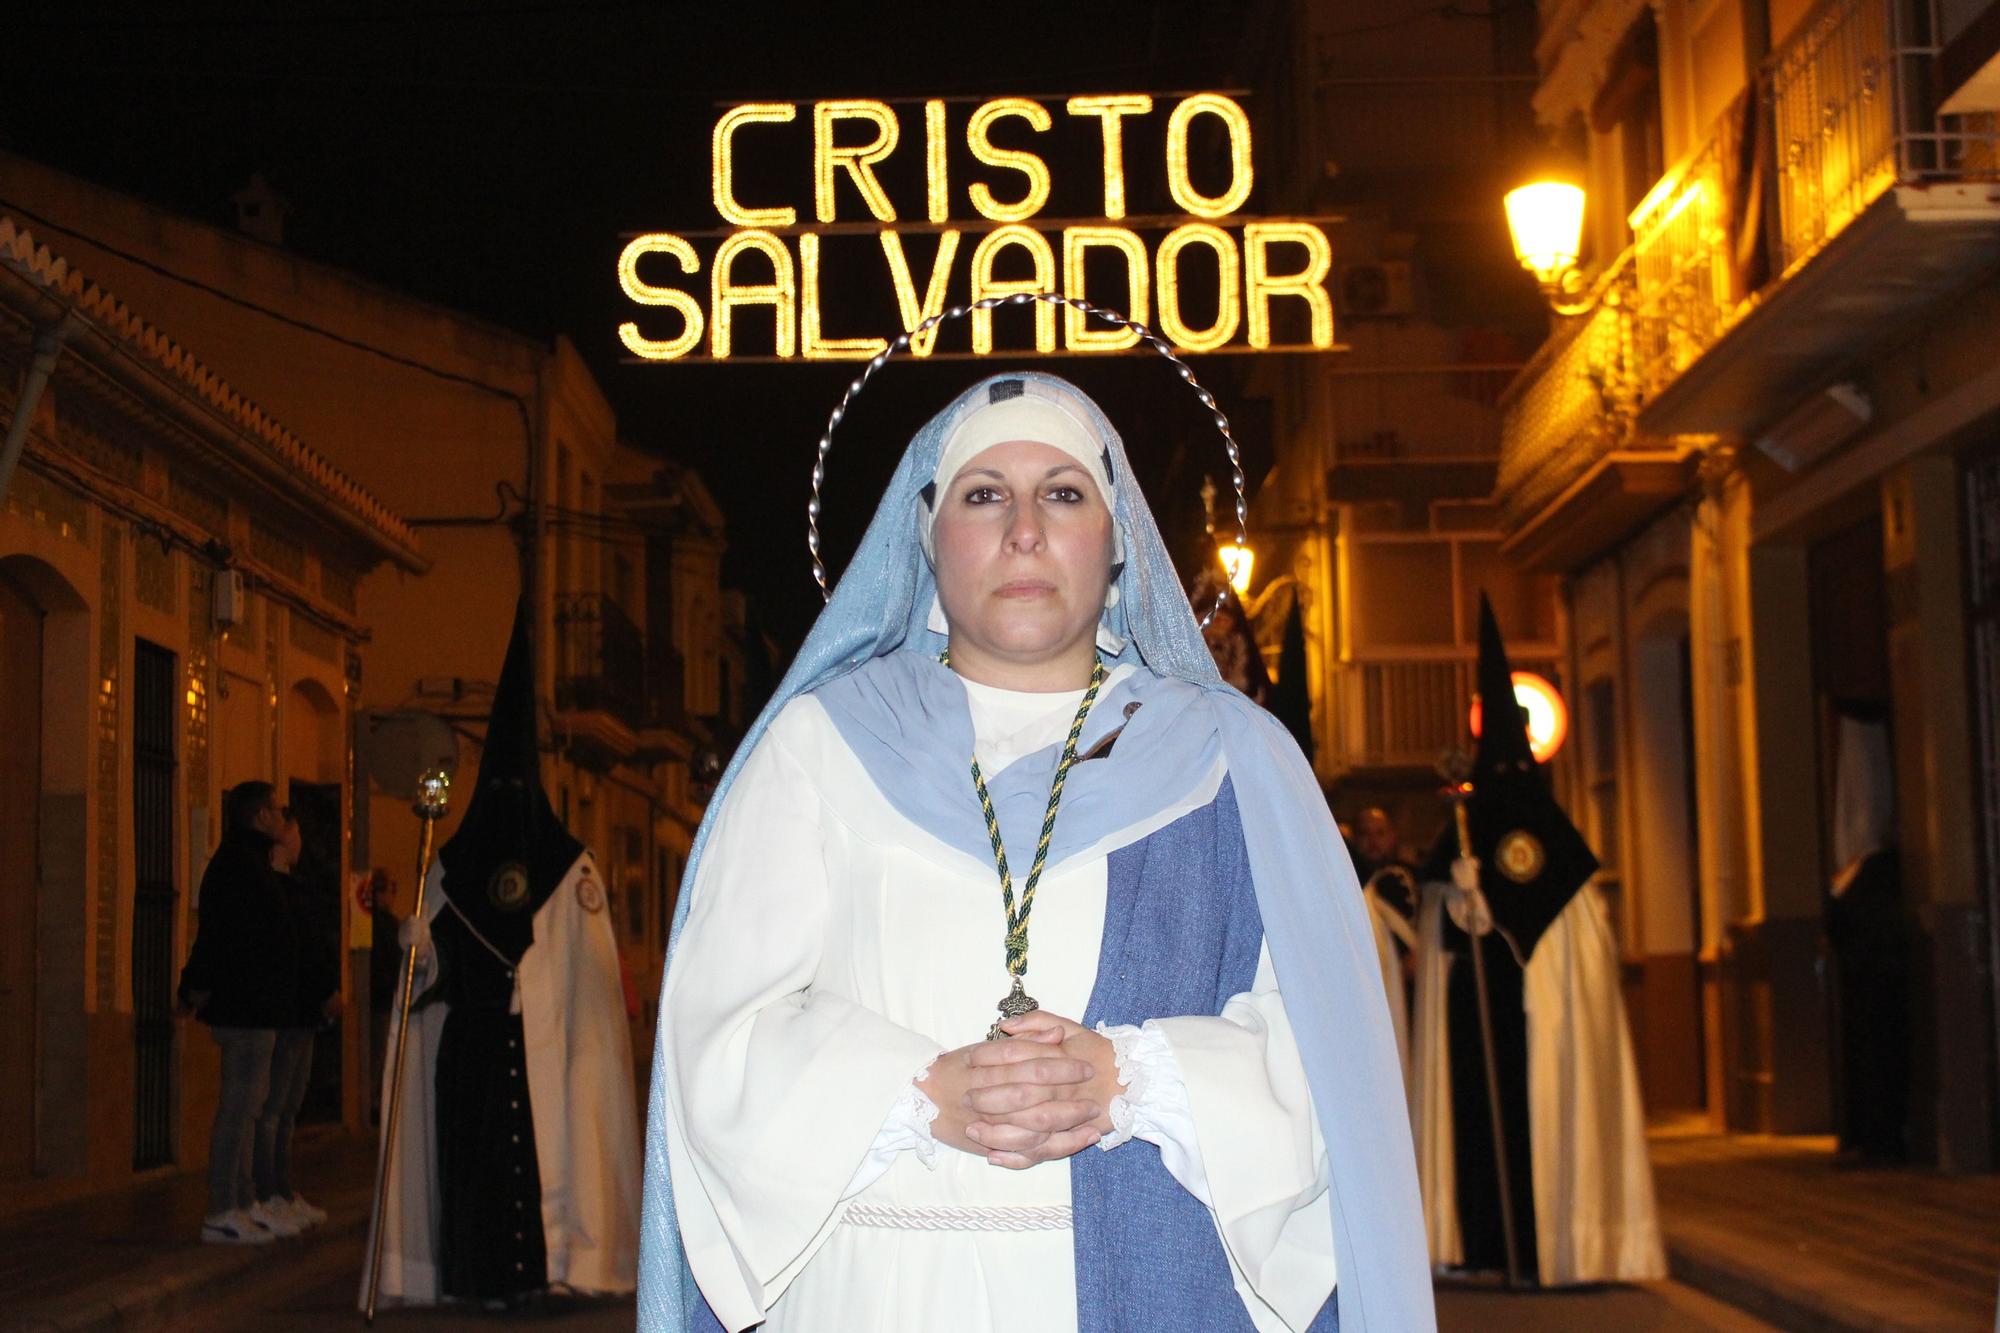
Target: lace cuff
(1154, 1102)
(909, 1123)
(907, 1128)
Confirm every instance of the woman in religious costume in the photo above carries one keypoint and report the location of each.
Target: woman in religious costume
(1003, 769)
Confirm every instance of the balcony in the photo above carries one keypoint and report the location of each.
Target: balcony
(1826, 212)
(1575, 473)
(1404, 711)
(600, 674)
(1881, 207)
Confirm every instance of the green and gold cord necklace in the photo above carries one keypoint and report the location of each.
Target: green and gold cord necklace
(1017, 1001)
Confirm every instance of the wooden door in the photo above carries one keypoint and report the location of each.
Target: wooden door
(155, 903)
(20, 870)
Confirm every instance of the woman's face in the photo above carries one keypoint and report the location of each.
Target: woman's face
(1023, 553)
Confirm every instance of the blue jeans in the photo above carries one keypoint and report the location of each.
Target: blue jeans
(291, 1067)
(246, 1081)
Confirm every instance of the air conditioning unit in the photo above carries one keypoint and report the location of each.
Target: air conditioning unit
(227, 603)
(1382, 289)
(1818, 426)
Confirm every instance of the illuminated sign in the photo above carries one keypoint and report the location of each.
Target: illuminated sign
(1204, 278)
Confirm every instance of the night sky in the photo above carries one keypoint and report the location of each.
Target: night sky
(491, 158)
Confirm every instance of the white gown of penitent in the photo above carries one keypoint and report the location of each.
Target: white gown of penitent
(832, 950)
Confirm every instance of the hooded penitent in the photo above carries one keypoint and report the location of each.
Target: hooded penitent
(517, 1140)
(871, 662)
(1574, 1164)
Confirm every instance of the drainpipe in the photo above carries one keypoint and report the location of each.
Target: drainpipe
(48, 346)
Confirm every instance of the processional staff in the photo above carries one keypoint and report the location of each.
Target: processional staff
(433, 797)
(1478, 923)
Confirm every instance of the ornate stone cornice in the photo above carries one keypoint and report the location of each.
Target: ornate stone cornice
(38, 265)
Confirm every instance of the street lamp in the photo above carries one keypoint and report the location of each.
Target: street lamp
(1546, 219)
(1548, 715)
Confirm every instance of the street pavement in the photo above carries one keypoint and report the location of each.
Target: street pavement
(1654, 1307)
(323, 1302)
(1765, 1223)
(1774, 1225)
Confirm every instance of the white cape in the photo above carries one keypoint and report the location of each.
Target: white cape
(1390, 928)
(580, 1087)
(1594, 1215)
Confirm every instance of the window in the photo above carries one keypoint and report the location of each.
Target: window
(154, 901)
(565, 572)
(621, 581)
(1628, 109)
(1600, 705)
(632, 877)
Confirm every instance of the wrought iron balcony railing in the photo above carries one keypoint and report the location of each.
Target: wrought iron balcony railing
(1573, 404)
(600, 659)
(1406, 710)
(1849, 95)
(1838, 115)
(1683, 291)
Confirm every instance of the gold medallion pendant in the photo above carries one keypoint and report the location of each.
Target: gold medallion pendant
(508, 889)
(1520, 856)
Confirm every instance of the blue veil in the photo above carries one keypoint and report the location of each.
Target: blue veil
(1315, 922)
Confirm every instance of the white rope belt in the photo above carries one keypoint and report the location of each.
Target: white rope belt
(966, 1218)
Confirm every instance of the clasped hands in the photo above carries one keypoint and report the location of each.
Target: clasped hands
(1040, 1094)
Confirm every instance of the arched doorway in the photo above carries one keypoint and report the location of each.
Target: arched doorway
(20, 869)
(46, 676)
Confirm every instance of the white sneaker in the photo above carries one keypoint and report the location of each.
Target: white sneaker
(234, 1227)
(274, 1217)
(304, 1213)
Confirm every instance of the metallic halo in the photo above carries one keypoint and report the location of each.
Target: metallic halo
(1111, 317)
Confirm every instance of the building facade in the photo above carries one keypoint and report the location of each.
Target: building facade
(502, 451)
(178, 612)
(1760, 457)
(1397, 128)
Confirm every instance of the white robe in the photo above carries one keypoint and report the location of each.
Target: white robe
(580, 1088)
(1593, 1207)
(831, 951)
(1391, 930)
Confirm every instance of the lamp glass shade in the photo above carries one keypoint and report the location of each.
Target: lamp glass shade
(1548, 715)
(1237, 560)
(1546, 219)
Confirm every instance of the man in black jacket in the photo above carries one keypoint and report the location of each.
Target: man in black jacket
(317, 986)
(242, 979)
